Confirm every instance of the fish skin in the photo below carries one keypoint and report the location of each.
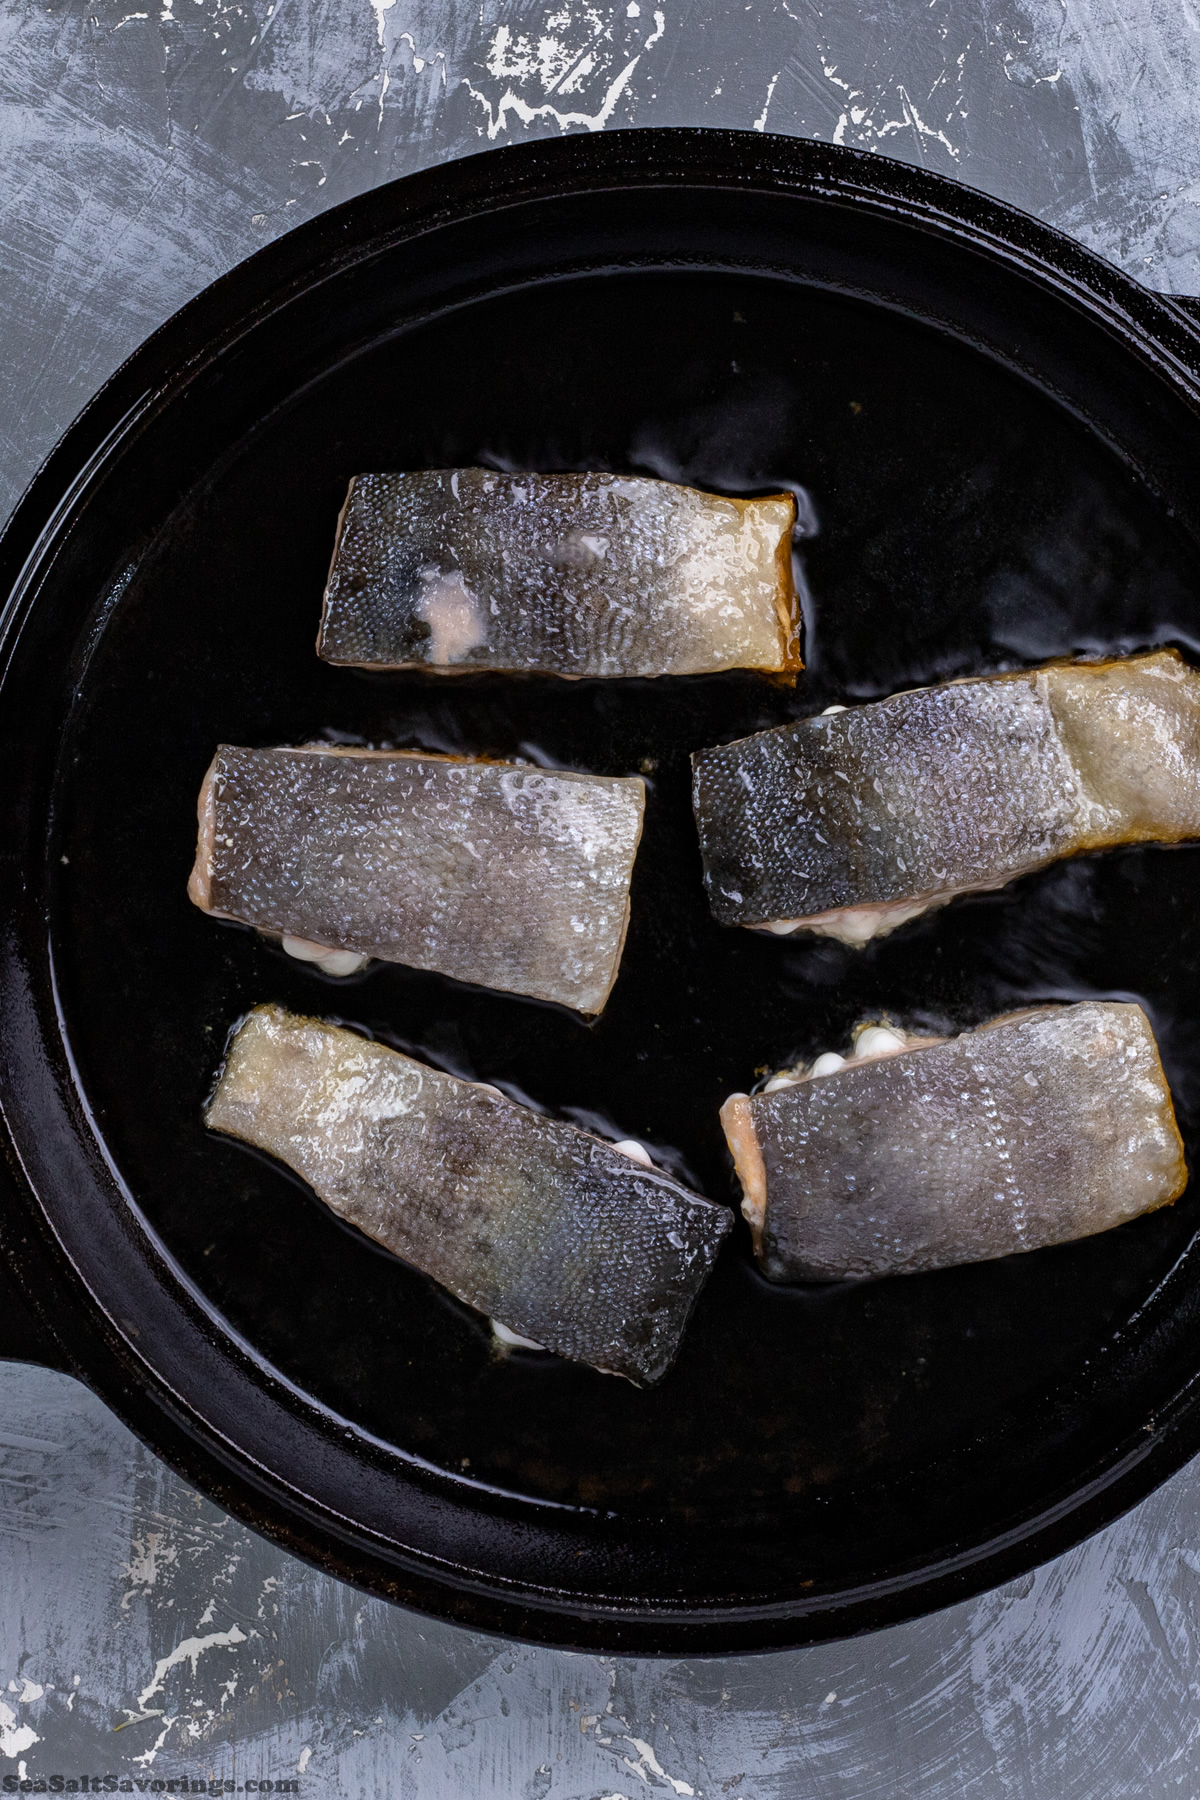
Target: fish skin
(948, 790)
(561, 1237)
(511, 877)
(594, 575)
(1043, 1126)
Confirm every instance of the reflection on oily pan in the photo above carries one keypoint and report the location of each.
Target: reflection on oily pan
(558, 1236)
(457, 570)
(916, 1153)
(513, 877)
(850, 823)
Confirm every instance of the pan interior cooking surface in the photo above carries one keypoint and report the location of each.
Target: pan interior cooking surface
(959, 519)
(962, 518)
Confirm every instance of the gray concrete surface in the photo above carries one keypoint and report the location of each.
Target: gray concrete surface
(146, 1637)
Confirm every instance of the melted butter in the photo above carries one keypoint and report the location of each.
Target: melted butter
(329, 961)
(857, 925)
(451, 611)
(512, 1340)
(871, 1042)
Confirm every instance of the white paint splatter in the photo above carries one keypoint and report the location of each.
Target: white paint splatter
(385, 73)
(381, 9)
(648, 1761)
(913, 118)
(512, 103)
(148, 1557)
(303, 1762)
(191, 1650)
(858, 115)
(1022, 78)
(14, 1738)
(760, 124)
(148, 1756)
(557, 68)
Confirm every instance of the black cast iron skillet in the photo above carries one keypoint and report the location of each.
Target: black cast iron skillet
(1000, 438)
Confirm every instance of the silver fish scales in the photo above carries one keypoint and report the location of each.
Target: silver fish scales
(556, 1234)
(850, 823)
(512, 877)
(457, 570)
(1043, 1126)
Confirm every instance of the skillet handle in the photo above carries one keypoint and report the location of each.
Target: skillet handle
(24, 1337)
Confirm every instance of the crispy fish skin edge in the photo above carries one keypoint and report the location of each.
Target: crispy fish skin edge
(723, 1220)
(737, 1122)
(337, 544)
(620, 952)
(787, 603)
(787, 610)
(200, 880)
(887, 916)
(880, 920)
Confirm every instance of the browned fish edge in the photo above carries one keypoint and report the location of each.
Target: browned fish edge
(337, 544)
(737, 1122)
(933, 898)
(199, 885)
(787, 608)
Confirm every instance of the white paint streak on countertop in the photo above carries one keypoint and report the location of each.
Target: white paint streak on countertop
(14, 1738)
(189, 1651)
